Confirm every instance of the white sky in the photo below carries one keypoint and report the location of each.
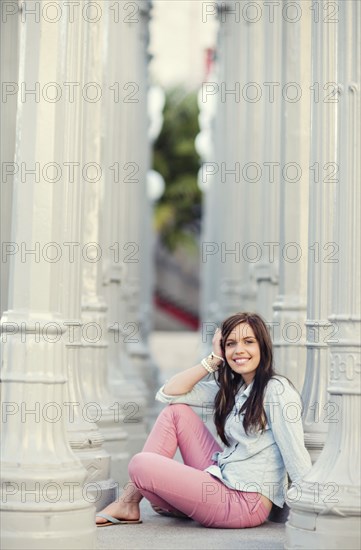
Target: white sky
(178, 41)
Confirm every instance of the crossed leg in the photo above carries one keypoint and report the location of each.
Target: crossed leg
(187, 487)
(184, 487)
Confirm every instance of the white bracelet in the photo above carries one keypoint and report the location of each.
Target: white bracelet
(206, 366)
(208, 362)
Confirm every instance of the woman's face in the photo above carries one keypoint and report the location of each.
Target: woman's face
(242, 351)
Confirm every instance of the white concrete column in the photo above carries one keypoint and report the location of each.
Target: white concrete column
(134, 157)
(290, 305)
(222, 269)
(120, 174)
(137, 219)
(266, 270)
(232, 212)
(326, 513)
(206, 145)
(153, 187)
(233, 249)
(209, 181)
(9, 53)
(84, 435)
(107, 411)
(321, 260)
(251, 56)
(42, 480)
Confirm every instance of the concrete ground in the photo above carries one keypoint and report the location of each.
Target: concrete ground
(174, 351)
(158, 532)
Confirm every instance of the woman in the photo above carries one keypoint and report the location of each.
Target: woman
(257, 417)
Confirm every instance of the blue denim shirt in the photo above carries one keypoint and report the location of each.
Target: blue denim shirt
(257, 461)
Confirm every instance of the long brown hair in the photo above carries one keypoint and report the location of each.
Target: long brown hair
(229, 382)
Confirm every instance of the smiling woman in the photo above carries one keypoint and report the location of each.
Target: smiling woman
(246, 344)
(233, 487)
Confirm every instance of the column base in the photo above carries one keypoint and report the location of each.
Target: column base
(74, 530)
(101, 493)
(119, 462)
(314, 448)
(312, 530)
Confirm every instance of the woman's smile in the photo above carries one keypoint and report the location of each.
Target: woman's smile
(241, 361)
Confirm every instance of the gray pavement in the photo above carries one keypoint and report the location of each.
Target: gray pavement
(160, 532)
(174, 351)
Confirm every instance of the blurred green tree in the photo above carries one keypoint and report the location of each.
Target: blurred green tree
(178, 211)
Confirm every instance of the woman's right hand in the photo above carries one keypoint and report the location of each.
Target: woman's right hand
(216, 343)
(184, 381)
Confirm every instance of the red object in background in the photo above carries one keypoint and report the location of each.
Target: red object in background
(209, 62)
(176, 311)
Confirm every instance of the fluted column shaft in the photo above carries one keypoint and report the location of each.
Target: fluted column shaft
(249, 191)
(138, 282)
(114, 265)
(232, 252)
(232, 272)
(108, 412)
(234, 291)
(42, 480)
(134, 196)
(84, 435)
(211, 305)
(9, 38)
(266, 269)
(322, 264)
(290, 305)
(331, 518)
(121, 178)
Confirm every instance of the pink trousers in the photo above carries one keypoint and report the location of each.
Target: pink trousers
(186, 487)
